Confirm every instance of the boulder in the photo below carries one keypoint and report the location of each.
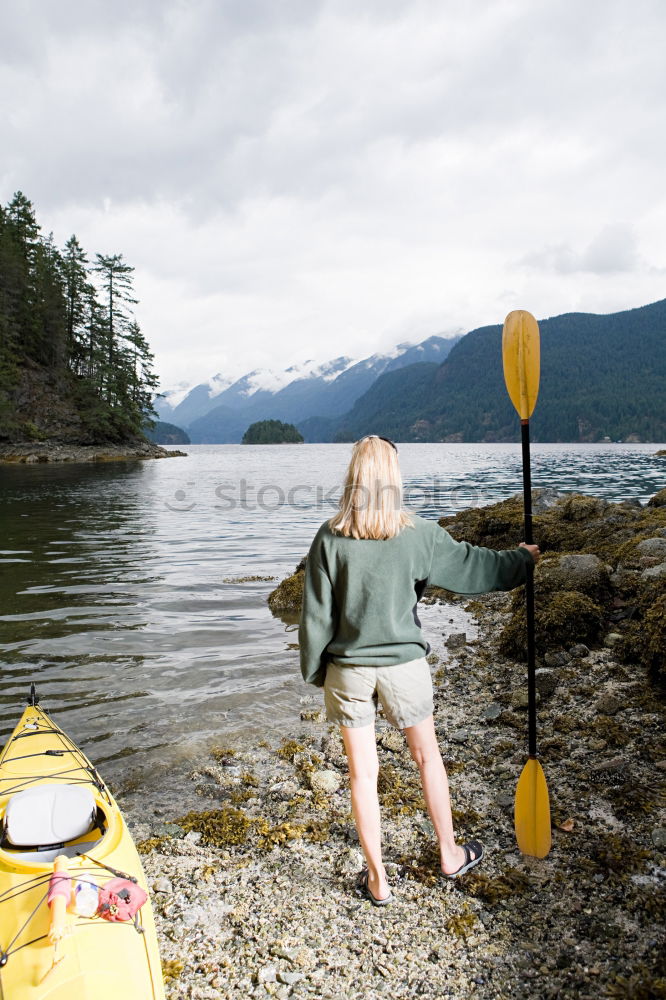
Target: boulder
(287, 597)
(583, 572)
(560, 617)
(653, 548)
(654, 572)
(659, 499)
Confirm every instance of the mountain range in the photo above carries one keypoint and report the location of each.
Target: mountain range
(219, 411)
(602, 376)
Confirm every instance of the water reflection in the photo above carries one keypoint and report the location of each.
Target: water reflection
(120, 591)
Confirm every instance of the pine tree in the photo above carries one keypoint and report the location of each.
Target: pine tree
(78, 292)
(51, 319)
(117, 284)
(23, 232)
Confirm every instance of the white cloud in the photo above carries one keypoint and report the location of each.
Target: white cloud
(311, 178)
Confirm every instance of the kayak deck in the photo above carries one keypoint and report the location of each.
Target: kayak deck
(97, 957)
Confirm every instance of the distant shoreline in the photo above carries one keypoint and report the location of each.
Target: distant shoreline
(41, 452)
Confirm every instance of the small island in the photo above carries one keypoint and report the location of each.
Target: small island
(272, 432)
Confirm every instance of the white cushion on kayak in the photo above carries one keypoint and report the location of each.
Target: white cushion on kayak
(49, 814)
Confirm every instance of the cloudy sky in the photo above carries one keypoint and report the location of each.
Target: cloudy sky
(301, 179)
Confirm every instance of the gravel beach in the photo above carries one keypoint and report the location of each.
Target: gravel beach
(254, 894)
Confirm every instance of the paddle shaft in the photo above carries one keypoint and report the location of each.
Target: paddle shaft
(529, 592)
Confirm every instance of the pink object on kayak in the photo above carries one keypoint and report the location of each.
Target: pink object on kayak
(60, 884)
(120, 899)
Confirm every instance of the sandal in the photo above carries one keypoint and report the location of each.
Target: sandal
(469, 862)
(362, 886)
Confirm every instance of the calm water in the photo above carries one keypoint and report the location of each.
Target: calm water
(119, 586)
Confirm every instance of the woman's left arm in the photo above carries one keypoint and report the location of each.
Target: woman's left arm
(474, 569)
(318, 620)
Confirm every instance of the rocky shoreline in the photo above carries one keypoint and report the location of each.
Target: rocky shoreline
(254, 894)
(30, 452)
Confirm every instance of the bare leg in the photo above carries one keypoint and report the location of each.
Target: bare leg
(361, 750)
(425, 751)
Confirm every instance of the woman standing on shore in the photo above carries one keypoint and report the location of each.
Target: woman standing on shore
(360, 638)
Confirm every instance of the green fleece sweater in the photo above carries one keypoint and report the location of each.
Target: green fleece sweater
(360, 595)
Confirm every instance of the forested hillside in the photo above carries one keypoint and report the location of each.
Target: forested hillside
(74, 365)
(601, 376)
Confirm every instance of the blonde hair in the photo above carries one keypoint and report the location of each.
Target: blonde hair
(371, 501)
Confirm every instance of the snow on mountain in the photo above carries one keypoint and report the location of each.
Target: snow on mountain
(217, 384)
(267, 380)
(220, 408)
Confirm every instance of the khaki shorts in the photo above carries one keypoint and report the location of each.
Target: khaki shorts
(404, 690)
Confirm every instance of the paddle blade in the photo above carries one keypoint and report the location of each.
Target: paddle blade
(532, 811)
(521, 357)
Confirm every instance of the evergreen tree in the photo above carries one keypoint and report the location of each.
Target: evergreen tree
(51, 320)
(23, 233)
(78, 292)
(117, 284)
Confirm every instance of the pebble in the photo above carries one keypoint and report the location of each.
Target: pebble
(614, 764)
(520, 698)
(459, 735)
(492, 711)
(609, 704)
(290, 978)
(393, 739)
(325, 781)
(557, 658)
(659, 837)
(162, 884)
(546, 681)
(267, 975)
(579, 650)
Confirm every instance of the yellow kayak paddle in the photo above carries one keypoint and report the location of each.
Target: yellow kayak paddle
(521, 357)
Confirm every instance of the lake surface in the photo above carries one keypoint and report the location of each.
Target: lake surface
(121, 591)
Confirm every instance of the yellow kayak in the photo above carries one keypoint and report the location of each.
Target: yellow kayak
(75, 918)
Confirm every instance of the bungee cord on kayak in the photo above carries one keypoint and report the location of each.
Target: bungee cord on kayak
(62, 836)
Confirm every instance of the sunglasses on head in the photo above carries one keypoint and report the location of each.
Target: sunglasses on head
(379, 436)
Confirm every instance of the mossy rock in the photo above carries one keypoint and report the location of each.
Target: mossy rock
(574, 523)
(644, 641)
(644, 637)
(659, 499)
(562, 618)
(575, 571)
(218, 827)
(499, 526)
(287, 597)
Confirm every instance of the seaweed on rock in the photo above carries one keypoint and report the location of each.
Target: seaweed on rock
(563, 618)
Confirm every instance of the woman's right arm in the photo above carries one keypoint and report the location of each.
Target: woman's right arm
(318, 618)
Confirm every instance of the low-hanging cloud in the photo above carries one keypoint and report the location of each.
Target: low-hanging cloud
(318, 177)
(612, 251)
